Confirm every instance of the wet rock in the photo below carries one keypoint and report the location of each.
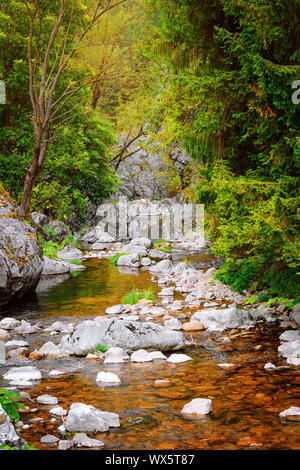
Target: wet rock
(47, 400)
(87, 418)
(158, 254)
(15, 344)
(221, 319)
(269, 365)
(9, 323)
(54, 266)
(107, 377)
(115, 356)
(58, 411)
(121, 333)
(164, 265)
(51, 349)
(290, 349)
(178, 358)
(162, 383)
(26, 373)
(141, 356)
(82, 440)
(146, 261)
(48, 439)
(70, 252)
(198, 406)
(173, 324)
(292, 413)
(193, 326)
(25, 328)
(156, 355)
(290, 335)
(65, 444)
(131, 260)
(115, 309)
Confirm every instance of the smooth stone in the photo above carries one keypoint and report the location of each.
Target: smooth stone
(193, 326)
(58, 411)
(65, 444)
(56, 373)
(290, 335)
(178, 358)
(141, 356)
(293, 411)
(269, 365)
(47, 400)
(9, 323)
(162, 383)
(82, 440)
(115, 309)
(49, 439)
(173, 324)
(198, 406)
(26, 373)
(16, 344)
(156, 355)
(107, 377)
(51, 349)
(87, 418)
(115, 356)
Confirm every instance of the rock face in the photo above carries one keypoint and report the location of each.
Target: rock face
(21, 256)
(125, 334)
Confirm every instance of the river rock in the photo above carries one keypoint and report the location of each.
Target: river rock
(107, 377)
(141, 356)
(115, 356)
(4, 334)
(87, 418)
(70, 252)
(9, 323)
(26, 373)
(178, 358)
(288, 335)
(48, 439)
(58, 411)
(55, 266)
(82, 440)
(291, 413)
(47, 400)
(173, 324)
(51, 349)
(121, 333)
(198, 406)
(290, 349)
(131, 260)
(193, 326)
(115, 309)
(221, 319)
(21, 257)
(161, 266)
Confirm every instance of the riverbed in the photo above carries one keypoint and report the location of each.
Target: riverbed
(246, 399)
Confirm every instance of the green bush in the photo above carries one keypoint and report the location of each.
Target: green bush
(135, 295)
(8, 400)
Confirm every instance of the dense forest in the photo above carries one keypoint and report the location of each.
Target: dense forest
(217, 77)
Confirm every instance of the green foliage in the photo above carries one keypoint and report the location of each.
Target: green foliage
(8, 400)
(75, 261)
(99, 347)
(135, 295)
(226, 72)
(77, 162)
(50, 247)
(163, 245)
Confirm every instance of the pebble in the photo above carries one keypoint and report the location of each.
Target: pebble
(58, 411)
(48, 439)
(198, 406)
(107, 377)
(47, 400)
(178, 358)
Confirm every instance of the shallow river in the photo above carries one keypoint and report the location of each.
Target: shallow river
(246, 401)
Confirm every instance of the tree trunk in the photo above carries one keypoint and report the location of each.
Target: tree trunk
(39, 153)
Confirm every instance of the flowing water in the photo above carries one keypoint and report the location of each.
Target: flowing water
(246, 401)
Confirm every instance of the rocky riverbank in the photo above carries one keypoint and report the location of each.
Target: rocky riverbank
(189, 303)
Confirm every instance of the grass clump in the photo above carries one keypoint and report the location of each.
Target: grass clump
(100, 348)
(135, 295)
(163, 245)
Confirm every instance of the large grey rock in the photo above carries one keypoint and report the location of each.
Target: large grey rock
(290, 349)
(55, 266)
(161, 266)
(87, 418)
(8, 434)
(219, 320)
(70, 252)
(21, 258)
(128, 335)
(132, 260)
